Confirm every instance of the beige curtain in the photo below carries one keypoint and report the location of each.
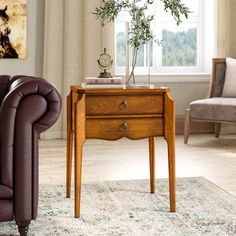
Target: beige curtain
(73, 42)
(226, 28)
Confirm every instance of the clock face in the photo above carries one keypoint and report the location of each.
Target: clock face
(105, 63)
(105, 60)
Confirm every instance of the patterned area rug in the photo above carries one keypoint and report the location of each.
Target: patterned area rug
(127, 208)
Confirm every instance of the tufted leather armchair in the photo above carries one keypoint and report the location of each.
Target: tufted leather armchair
(29, 106)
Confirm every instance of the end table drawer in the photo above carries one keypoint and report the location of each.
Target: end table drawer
(132, 128)
(118, 105)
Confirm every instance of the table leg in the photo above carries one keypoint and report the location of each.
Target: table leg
(78, 173)
(169, 134)
(79, 141)
(69, 141)
(152, 163)
(171, 164)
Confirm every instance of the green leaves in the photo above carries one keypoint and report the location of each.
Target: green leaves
(140, 25)
(140, 29)
(108, 12)
(177, 9)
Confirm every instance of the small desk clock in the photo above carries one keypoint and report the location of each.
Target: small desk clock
(105, 62)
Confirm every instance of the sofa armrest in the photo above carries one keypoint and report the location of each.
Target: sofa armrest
(31, 106)
(26, 86)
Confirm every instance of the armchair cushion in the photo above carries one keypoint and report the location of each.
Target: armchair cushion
(230, 78)
(212, 109)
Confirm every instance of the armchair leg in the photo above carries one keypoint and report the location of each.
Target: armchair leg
(217, 129)
(186, 126)
(23, 228)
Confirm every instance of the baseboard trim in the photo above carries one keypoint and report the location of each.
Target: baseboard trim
(51, 135)
(196, 127)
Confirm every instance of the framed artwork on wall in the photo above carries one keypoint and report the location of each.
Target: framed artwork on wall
(13, 29)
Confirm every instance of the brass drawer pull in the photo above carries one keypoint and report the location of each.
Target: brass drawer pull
(124, 127)
(123, 105)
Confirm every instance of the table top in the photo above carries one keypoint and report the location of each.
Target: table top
(127, 90)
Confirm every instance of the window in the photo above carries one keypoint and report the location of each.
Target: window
(187, 48)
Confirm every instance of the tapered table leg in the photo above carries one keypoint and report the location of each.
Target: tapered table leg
(69, 142)
(171, 164)
(169, 134)
(79, 141)
(78, 173)
(152, 163)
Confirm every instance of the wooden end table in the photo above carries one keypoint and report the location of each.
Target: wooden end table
(110, 114)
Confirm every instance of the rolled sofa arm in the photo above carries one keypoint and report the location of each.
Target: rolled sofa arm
(26, 86)
(31, 106)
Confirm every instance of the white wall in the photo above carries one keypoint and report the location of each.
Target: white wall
(32, 65)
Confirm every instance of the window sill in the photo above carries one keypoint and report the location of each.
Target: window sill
(175, 78)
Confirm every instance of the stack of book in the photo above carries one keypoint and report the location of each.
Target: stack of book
(95, 82)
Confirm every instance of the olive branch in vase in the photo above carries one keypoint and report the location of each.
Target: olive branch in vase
(140, 32)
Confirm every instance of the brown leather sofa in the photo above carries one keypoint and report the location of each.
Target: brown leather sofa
(29, 106)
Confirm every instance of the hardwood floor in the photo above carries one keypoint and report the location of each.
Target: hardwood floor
(215, 159)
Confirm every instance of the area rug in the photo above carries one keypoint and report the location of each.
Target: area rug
(127, 208)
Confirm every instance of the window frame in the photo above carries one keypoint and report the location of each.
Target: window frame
(203, 56)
